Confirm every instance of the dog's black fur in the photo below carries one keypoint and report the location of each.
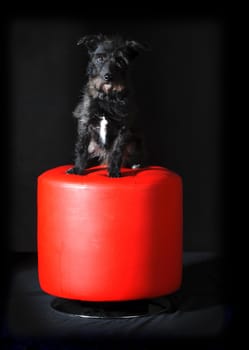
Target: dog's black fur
(105, 114)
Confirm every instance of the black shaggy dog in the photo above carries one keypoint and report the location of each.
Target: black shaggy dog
(106, 124)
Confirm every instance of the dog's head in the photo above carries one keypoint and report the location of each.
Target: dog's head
(110, 57)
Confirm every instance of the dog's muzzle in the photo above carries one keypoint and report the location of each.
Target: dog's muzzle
(107, 88)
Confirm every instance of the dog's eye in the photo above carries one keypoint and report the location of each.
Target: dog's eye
(100, 58)
(120, 62)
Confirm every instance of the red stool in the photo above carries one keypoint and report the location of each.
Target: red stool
(110, 239)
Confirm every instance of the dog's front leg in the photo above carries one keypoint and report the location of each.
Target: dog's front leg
(81, 153)
(116, 156)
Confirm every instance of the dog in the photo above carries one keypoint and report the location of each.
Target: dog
(107, 128)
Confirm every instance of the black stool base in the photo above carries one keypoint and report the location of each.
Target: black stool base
(124, 309)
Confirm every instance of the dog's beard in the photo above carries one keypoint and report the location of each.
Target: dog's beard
(99, 85)
(108, 87)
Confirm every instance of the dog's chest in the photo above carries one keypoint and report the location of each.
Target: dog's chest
(103, 130)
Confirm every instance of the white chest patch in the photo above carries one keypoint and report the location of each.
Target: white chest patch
(103, 129)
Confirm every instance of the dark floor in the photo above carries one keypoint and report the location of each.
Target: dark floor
(199, 310)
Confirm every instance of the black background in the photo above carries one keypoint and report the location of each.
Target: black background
(180, 90)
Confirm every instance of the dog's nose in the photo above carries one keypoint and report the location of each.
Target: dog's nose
(108, 77)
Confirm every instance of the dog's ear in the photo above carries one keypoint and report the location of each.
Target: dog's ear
(90, 41)
(134, 48)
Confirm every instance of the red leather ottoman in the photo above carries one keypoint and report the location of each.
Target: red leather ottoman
(110, 239)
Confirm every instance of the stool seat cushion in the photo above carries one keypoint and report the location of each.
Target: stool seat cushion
(109, 239)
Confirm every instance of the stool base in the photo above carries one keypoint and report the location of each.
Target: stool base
(123, 309)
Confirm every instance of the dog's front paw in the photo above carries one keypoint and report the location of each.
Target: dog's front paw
(114, 173)
(75, 171)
